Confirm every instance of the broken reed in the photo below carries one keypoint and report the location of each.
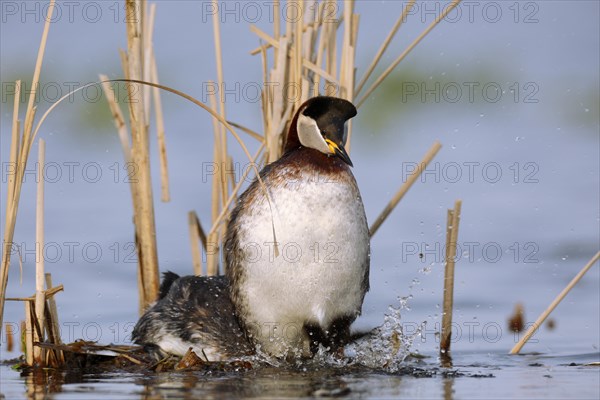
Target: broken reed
(39, 332)
(540, 320)
(451, 240)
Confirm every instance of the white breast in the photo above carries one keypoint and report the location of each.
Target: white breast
(323, 245)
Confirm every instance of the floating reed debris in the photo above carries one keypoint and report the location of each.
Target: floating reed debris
(517, 348)
(39, 331)
(451, 239)
(516, 322)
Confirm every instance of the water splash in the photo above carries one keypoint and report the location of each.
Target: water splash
(387, 346)
(383, 348)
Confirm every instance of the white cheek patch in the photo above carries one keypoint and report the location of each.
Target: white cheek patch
(310, 135)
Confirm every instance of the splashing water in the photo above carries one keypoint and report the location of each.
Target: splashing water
(386, 346)
(383, 348)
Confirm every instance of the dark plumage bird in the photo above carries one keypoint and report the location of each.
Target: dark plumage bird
(309, 287)
(193, 311)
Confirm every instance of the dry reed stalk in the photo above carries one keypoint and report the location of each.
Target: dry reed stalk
(22, 337)
(123, 133)
(405, 187)
(10, 341)
(151, 75)
(34, 326)
(298, 56)
(11, 201)
(220, 133)
(146, 25)
(217, 191)
(19, 154)
(160, 135)
(212, 254)
(143, 204)
(214, 114)
(14, 148)
(250, 132)
(451, 239)
(49, 293)
(401, 57)
(540, 320)
(194, 229)
(118, 118)
(40, 297)
(348, 71)
(54, 327)
(221, 218)
(28, 334)
(384, 46)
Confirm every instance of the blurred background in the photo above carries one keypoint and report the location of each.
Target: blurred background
(511, 89)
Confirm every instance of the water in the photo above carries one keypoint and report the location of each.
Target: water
(526, 167)
(393, 361)
(493, 375)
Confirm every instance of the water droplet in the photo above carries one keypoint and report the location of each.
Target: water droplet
(425, 270)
